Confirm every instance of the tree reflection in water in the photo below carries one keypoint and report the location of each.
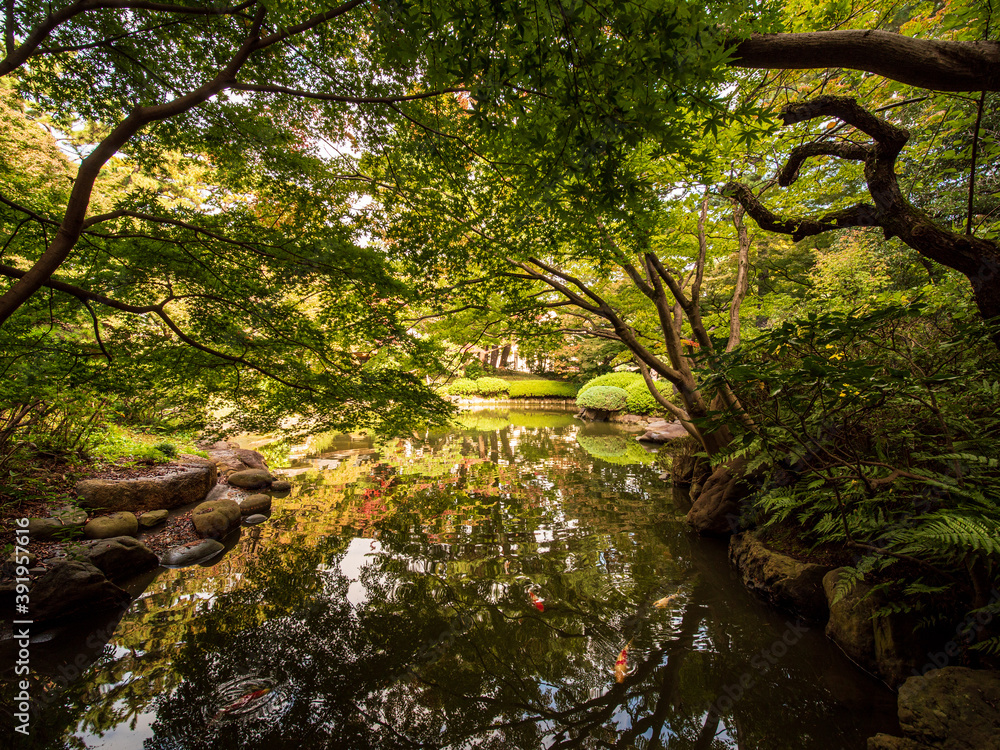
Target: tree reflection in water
(386, 605)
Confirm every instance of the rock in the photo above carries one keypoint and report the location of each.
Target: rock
(688, 469)
(71, 588)
(188, 483)
(28, 558)
(281, 486)
(594, 415)
(663, 432)
(70, 515)
(888, 742)
(222, 492)
(215, 519)
(119, 557)
(114, 524)
(251, 459)
(715, 510)
(888, 647)
(954, 708)
(254, 519)
(43, 529)
(255, 504)
(785, 582)
(191, 553)
(151, 518)
(250, 479)
(231, 458)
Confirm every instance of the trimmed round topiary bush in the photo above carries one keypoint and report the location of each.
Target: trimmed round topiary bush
(492, 387)
(602, 398)
(616, 379)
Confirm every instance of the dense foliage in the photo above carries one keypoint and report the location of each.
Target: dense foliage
(602, 398)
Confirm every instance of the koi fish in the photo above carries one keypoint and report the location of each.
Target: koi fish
(621, 664)
(665, 601)
(537, 601)
(239, 703)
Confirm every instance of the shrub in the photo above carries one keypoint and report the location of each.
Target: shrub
(474, 369)
(616, 379)
(462, 387)
(541, 389)
(491, 386)
(167, 449)
(603, 397)
(641, 401)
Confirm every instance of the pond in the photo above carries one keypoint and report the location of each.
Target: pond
(489, 587)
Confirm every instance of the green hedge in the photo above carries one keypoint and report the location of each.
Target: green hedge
(489, 387)
(492, 387)
(462, 387)
(541, 389)
(617, 379)
(605, 397)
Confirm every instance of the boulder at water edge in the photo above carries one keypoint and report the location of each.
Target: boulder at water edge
(222, 492)
(888, 646)
(71, 588)
(191, 553)
(251, 479)
(114, 524)
(281, 486)
(214, 519)
(662, 432)
(717, 507)
(788, 584)
(954, 708)
(120, 557)
(255, 504)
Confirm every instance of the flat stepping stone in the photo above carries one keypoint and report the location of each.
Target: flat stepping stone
(122, 523)
(255, 504)
(251, 479)
(153, 517)
(187, 482)
(191, 553)
(254, 519)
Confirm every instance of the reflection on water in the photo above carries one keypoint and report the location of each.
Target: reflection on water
(468, 589)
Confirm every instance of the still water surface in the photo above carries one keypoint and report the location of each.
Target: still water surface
(473, 589)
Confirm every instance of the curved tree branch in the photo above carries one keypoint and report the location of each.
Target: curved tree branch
(929, 64)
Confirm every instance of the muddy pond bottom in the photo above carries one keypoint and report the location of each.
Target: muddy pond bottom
(496, 586)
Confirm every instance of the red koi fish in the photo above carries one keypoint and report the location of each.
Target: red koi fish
(537, 601)
(621, 664)
(239, 703)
